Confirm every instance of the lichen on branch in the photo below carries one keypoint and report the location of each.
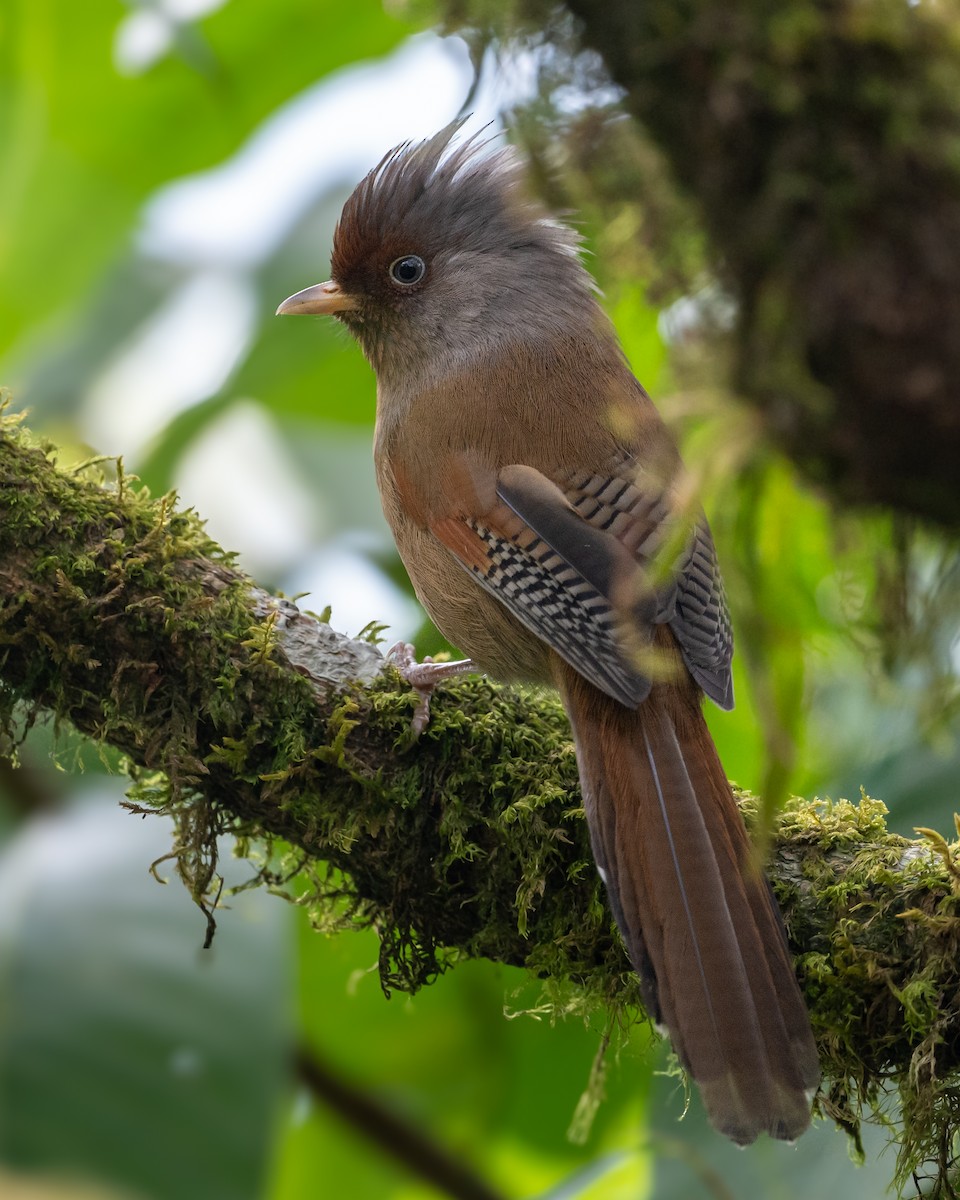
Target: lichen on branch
(237, 713)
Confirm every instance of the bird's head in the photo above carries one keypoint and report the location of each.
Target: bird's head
(440, 255)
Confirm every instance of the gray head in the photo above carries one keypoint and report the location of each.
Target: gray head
(440, 255)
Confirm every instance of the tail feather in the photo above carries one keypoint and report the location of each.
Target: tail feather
(771, 933)
(698, 918)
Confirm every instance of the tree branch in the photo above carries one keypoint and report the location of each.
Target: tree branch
(391, 1133)
(119, 614)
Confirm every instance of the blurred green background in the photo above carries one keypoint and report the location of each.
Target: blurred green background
(169, 171)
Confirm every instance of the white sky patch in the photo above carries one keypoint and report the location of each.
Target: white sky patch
(238, 213)
(190, 10)
(142, 38)
(237, 474)
(709, 308)
(225, 222)
(145, 35)
(182, 354)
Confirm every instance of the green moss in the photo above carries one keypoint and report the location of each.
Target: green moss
(120, 615)
(874, 920)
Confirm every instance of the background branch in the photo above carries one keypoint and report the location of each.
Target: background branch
(389, 1132)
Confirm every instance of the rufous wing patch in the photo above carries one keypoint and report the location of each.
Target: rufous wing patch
(464, 542)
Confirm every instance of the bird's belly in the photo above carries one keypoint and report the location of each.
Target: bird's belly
(468, 616)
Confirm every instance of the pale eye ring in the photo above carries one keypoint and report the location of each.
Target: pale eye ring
(408, 270)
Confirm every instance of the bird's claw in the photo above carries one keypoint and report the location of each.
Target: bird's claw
(423, 678)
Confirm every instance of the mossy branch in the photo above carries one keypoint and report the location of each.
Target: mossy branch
(121, 616)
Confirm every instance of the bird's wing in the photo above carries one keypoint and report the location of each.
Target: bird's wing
(566, 582)
(573, 565)
(635, 508)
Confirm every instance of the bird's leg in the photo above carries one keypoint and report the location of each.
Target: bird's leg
(423, 678)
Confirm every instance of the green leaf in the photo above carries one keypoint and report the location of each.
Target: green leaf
(128, 1055)
(82, 145)
(603, 1171)
(499, 1093)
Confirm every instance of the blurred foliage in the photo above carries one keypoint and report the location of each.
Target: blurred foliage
(124, 1059)
(116, 1042)
(819, 144)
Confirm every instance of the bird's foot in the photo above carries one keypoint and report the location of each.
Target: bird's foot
(423, 678)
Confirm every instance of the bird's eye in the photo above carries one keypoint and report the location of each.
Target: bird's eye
(408, 270)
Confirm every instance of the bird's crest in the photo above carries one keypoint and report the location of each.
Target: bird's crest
(419, 193)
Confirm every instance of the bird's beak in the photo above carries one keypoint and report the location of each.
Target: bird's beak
(325, 298)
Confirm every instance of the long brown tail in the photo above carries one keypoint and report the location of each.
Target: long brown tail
(699, 920)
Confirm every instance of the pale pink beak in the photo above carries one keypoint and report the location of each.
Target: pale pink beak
(325, 298)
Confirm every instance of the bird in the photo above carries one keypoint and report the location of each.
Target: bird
(542, 512)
